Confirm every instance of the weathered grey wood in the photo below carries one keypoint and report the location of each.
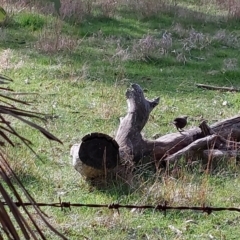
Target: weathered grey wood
(217, 155)
(210, 87)
(132, 146)
(174, 142)
(220, 139)
(194, 148)
(211, 159)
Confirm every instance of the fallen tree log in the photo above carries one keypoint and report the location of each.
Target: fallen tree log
(215, 137)
(129, 146)
(210, 87)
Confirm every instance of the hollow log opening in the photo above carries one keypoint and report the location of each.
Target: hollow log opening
(99, 151)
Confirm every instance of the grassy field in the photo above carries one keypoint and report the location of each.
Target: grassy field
(77, 69)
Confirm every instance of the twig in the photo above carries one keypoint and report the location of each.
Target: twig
(210, 87)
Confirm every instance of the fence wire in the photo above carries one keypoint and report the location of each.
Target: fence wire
(160, 207)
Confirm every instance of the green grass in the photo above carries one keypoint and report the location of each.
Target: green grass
(82, 85)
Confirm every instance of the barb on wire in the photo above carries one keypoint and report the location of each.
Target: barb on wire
(117, 206)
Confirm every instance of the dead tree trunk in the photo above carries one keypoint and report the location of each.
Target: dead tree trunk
(129, 146)
(132, 146)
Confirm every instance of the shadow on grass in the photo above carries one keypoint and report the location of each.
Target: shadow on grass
(217, 173)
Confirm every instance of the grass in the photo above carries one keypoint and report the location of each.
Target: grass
(77, 71)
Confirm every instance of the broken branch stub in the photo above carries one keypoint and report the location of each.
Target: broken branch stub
(132, 146)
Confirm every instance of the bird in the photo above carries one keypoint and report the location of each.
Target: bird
(180, 123)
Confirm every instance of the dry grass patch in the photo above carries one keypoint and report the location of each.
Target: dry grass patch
(146, 8)
(229, 39)
(230, 64)
(185, 190)
(108, 8)
(231, 6)
(51, 40)
(75, 10)
(7, 60)
(151, 47)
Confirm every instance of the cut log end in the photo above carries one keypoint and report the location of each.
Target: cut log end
(99, 151)
(206, 130)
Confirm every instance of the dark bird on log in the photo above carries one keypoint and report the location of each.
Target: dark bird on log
(180, 123)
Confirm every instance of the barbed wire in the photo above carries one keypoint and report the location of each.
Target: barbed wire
(159, 207)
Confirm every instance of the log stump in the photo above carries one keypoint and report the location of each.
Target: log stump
(97, 155)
